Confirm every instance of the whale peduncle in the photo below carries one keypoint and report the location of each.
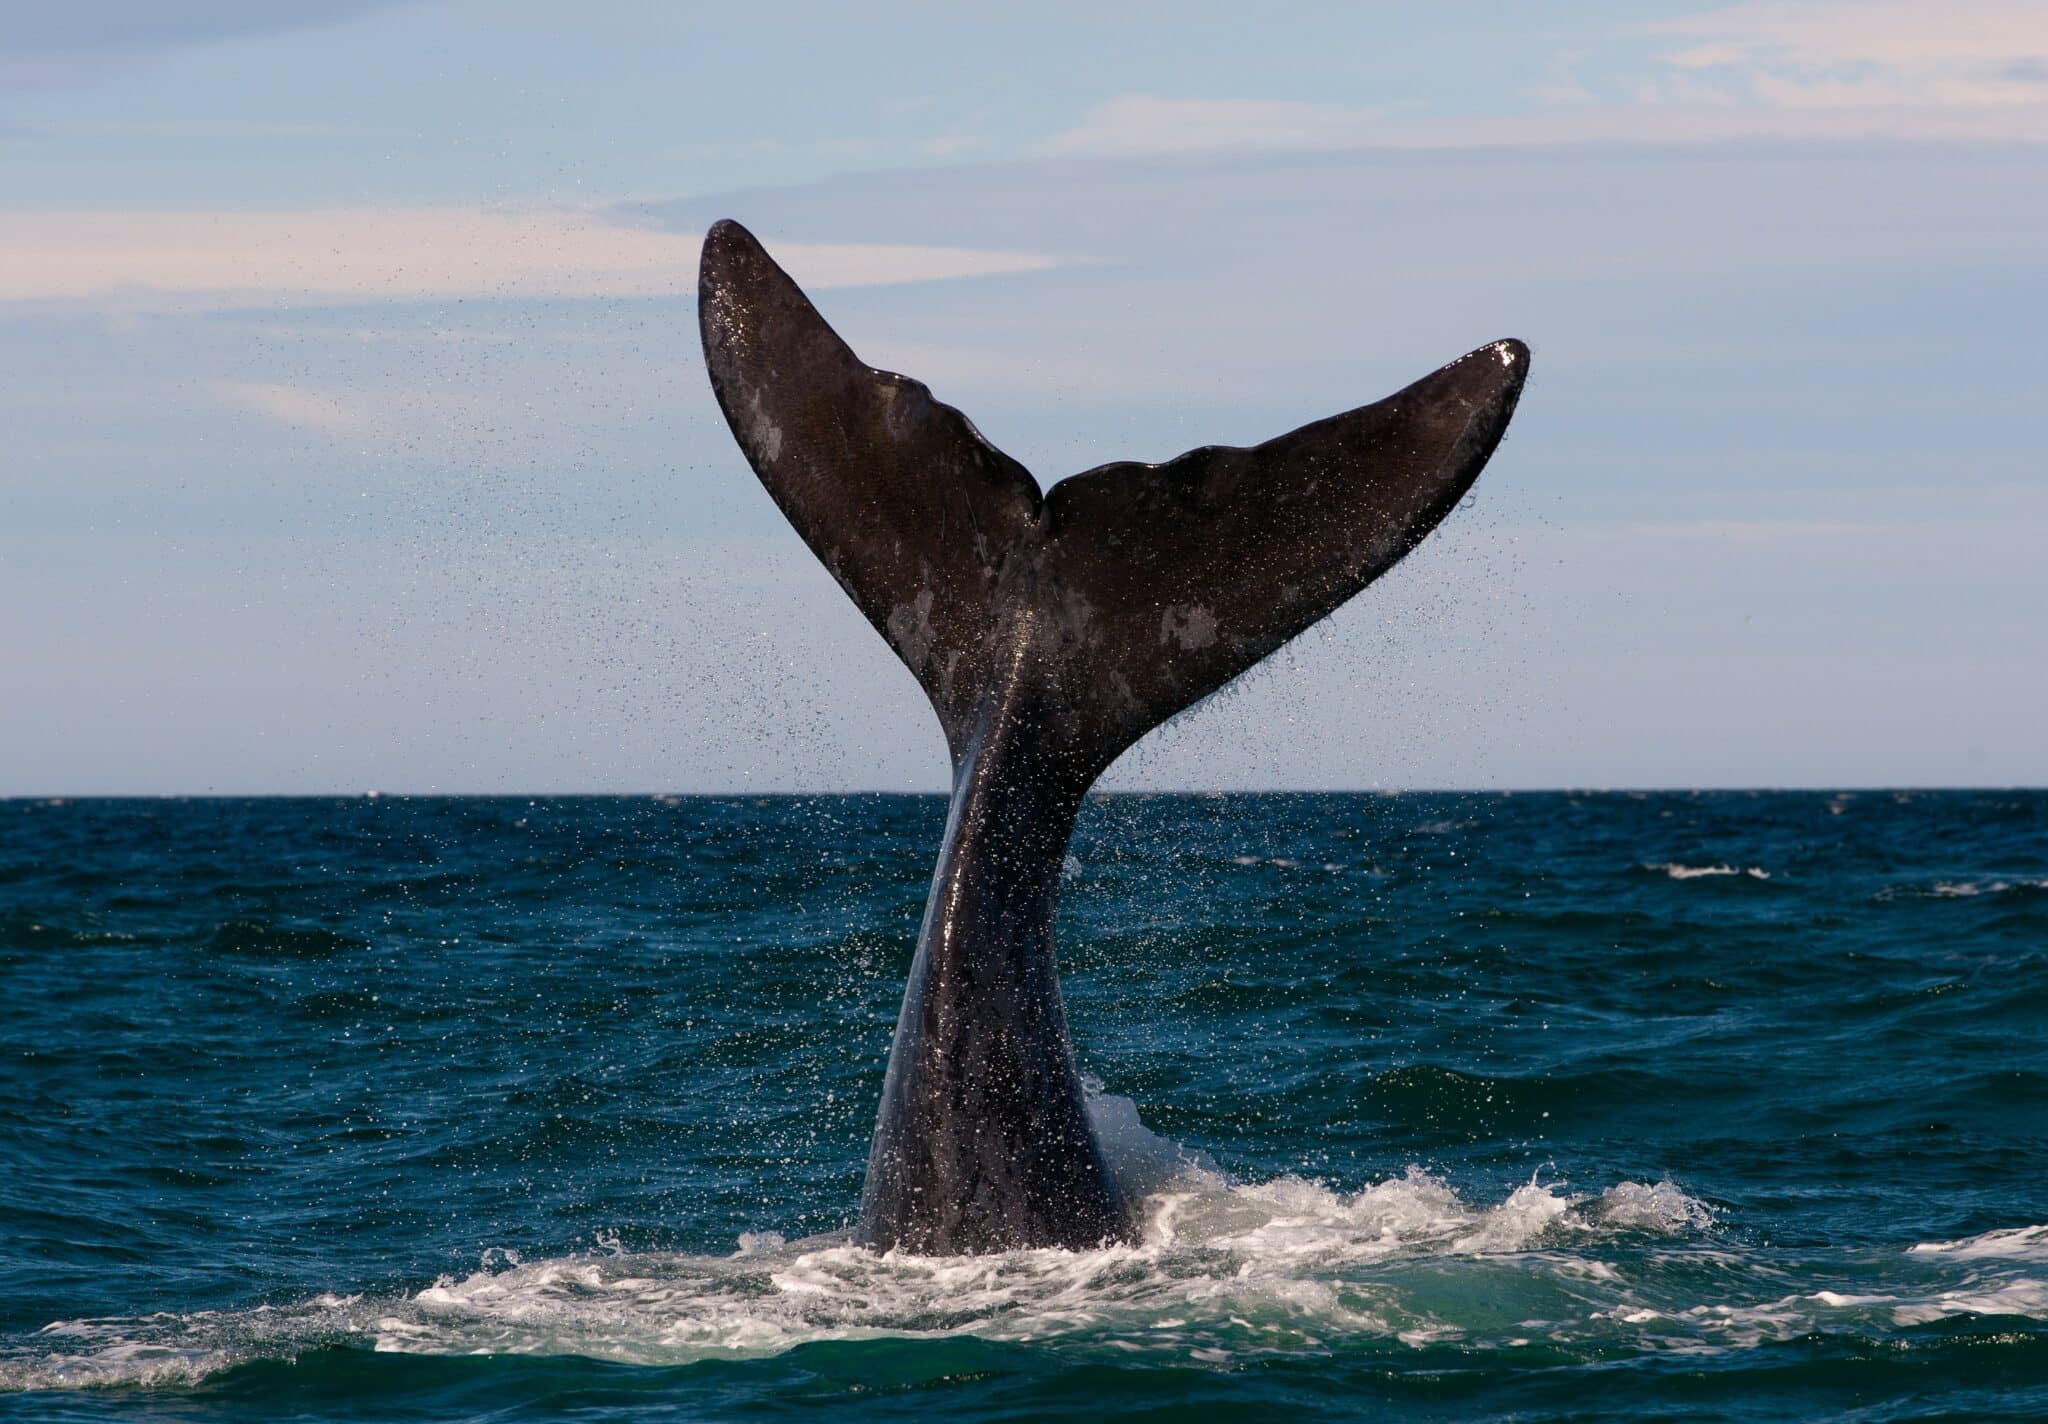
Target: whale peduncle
(983, 1141)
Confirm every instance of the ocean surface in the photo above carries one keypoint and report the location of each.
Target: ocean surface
(1666, 1106)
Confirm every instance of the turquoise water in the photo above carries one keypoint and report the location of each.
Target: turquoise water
(1519, 1107)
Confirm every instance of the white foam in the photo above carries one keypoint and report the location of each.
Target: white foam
(1223, 1272)
(1663, 1208)
(1694, 872)
(2019, 1243)
(2021, 1297)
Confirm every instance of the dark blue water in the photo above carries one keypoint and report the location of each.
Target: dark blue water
(1529, 1107)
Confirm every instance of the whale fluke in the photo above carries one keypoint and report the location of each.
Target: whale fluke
(1050, 632)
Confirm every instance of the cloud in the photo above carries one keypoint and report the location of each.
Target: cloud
(1949, 70)
(411, 254)
(1678, 111)
(1147, 123)
(1899, 37)
(1902, 53)
(1681, 109)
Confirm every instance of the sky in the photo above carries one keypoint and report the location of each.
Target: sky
(354, 432)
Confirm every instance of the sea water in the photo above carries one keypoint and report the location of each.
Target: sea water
(1479, 1106)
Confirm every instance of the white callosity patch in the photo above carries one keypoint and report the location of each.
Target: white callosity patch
(1190, 625)
(1224, 1272)
(763, 435)
(911, 631)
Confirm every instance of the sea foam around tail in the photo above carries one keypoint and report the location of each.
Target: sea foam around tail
(1224, 1273)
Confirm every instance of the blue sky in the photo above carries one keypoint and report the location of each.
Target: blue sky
(359, 438)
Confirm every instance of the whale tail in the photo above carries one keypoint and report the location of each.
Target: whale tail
(1149, 586)
(1050, 632)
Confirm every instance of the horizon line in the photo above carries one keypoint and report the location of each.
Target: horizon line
(65, 798)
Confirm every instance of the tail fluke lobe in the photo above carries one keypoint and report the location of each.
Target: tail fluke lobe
(896, 493)
(1196, 569)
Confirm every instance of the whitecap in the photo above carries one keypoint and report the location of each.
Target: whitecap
(1664, 1208)
(2018, 1243)
(2022, 1297)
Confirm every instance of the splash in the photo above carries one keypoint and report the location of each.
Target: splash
(1224, 1273)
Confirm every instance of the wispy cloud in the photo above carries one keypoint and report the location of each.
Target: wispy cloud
(1955, 70)
(1965, 53)
(412, 254)
(1680, 109)
(1684, 110)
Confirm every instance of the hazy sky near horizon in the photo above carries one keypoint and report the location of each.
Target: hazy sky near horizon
(356, 433)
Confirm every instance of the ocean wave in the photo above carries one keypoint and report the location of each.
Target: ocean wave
(1678, 871)
(1968, 889)
(272, 1049)
(2021, 888)
(18, 931)
(2020, 1243)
